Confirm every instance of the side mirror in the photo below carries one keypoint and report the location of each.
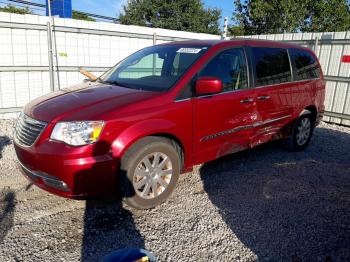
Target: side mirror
(208, 86)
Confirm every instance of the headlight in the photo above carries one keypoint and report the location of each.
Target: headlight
(77, 133)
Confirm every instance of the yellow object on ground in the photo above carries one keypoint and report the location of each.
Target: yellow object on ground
(142, 259)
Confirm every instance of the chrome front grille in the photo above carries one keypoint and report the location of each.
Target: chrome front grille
(28, 130)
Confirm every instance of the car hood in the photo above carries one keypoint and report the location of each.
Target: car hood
(88, 100)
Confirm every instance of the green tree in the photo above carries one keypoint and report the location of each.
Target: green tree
(16, 10)
(279, 16)
(236, 30)
(81, 16)
(185, 15)
(329, 16)
(270, 16)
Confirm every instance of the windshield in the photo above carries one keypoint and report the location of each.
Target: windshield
(155, 68)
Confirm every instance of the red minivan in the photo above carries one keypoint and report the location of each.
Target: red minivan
(164, 109)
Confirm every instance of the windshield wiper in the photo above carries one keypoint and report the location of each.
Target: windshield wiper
(115, 83)
(98, 79)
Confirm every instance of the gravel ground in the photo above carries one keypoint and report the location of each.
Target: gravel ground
(260, 204)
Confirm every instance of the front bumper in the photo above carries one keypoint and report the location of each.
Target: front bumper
(43, 179)
(72, 173)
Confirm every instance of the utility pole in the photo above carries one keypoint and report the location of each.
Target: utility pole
(224, 32)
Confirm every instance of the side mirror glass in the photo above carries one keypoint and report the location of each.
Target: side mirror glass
(208, 86)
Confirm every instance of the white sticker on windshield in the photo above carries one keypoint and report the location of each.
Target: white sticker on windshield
(189, 50)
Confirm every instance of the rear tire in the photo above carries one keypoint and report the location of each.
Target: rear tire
(301, 133)
(150, 170)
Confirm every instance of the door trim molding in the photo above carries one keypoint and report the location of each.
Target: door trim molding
(239, 128)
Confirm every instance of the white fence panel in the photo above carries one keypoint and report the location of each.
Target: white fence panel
(24, 73)
(97, 46)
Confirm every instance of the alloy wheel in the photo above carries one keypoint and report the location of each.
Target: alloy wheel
(152, 175)
(304, 131)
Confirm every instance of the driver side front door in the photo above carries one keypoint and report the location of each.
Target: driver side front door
(225, 122)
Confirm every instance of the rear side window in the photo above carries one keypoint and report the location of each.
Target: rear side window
(229, 66)
(272, 66)
(305, 63)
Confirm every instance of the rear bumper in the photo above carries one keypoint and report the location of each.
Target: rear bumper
(71, 176)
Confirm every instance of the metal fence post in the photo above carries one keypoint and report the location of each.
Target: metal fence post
(316, 44)
(154, 38)
(49, 46)
(154, 56)
(54, 52)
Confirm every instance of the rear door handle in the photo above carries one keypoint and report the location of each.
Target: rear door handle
(263, 97)
(247, 100)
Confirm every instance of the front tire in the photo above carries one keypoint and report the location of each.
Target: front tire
(150, 170)
(301, 133)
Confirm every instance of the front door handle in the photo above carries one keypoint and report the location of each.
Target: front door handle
(263, 97)
(247, 100)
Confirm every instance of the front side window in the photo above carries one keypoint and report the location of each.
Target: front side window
(272, 66)
(155, 68)
(306, 65)
(230, 67)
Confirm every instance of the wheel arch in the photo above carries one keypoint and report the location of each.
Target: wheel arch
(155, 128)
(310, 109)
(176, 142)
